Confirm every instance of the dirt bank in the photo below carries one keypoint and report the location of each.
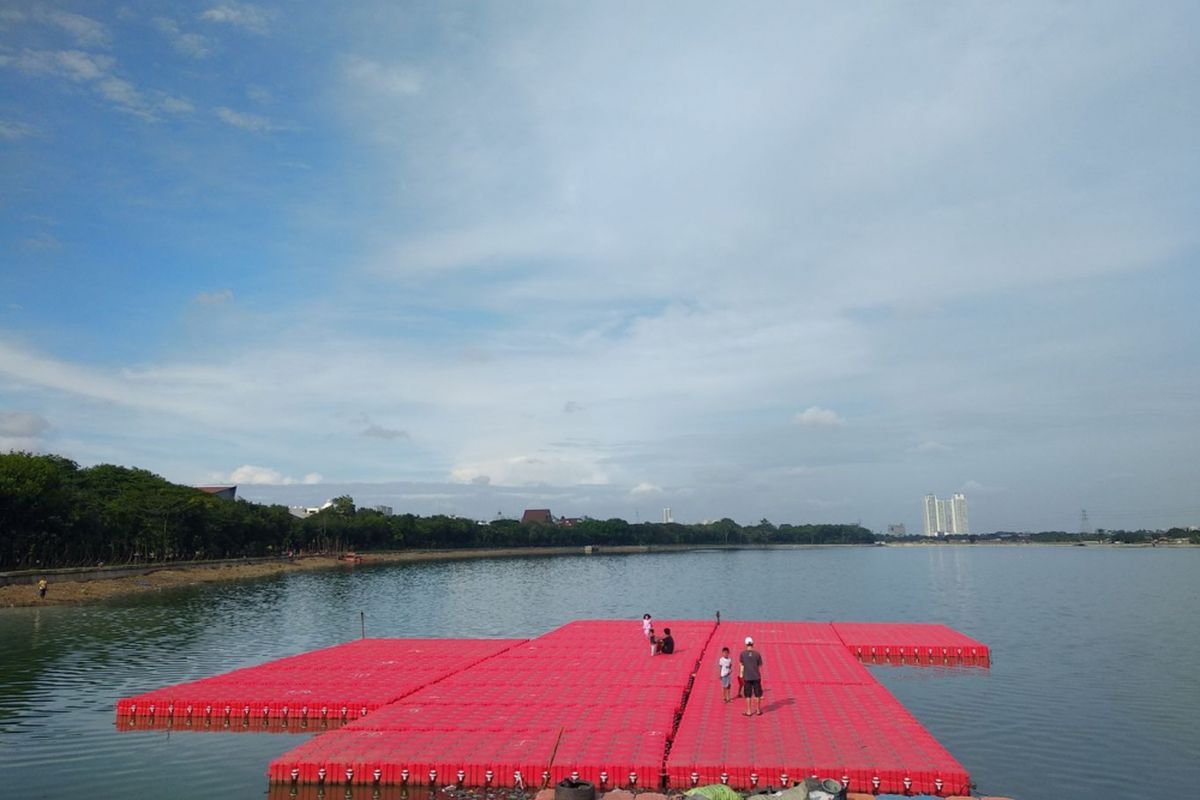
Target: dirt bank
(64, 590)
(70, 589)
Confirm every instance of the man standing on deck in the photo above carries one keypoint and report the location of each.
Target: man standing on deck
(750, 671)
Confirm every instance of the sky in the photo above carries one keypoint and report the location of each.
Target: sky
(805, 262)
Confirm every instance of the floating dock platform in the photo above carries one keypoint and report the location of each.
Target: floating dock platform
(588, 701)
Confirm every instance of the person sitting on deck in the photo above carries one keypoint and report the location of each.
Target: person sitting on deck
(666, 645)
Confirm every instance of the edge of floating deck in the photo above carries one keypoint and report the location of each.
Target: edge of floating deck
(587, 700)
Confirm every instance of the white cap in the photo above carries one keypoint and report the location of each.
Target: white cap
(749, 640)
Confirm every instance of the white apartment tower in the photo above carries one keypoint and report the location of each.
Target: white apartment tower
(946, 516)
(931, 515)
(958, 514)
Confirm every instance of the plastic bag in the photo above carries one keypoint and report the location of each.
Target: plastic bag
(714, 791)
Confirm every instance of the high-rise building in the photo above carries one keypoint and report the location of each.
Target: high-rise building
(958, 514)
(932, 523)
(946, 516)
(667, 515)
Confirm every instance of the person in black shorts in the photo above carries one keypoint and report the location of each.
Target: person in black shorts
(666, 645)
(750, 671)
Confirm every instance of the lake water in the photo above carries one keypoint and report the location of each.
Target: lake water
(1093, 691)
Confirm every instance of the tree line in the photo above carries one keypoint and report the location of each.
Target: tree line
(53, 513)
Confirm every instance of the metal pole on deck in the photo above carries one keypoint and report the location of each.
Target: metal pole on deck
(362, 621)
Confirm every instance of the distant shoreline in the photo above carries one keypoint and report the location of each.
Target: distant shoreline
(95, 584)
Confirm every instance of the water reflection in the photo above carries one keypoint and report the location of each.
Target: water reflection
(1093, 650)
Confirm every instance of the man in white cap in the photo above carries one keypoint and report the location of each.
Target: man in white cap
(750, 671)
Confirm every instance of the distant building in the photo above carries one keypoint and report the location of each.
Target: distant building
(308, 511)
(667, 515)
(897, 529)
(541, 515)
(223, 492)
(930, 505)
(385, 510)
(943, 517)
(958, 514)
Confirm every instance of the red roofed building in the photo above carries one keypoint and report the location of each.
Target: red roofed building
(541, 515)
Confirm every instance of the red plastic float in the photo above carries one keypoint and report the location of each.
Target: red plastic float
(911, 643)
(588, 701)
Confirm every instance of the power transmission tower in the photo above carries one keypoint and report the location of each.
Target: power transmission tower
(1085, 527)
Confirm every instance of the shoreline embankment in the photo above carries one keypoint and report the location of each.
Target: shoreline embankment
(92, 584)
(97, 583)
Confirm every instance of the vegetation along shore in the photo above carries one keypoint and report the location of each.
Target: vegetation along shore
(68, 586)
(130, 530)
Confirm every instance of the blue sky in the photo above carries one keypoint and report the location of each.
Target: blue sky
(802, 262)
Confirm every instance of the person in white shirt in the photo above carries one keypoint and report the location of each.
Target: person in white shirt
(725, 666)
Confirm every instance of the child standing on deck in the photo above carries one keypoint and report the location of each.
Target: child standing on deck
(725, 667)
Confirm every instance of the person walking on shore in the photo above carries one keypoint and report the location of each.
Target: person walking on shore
(42, 587)
(750, 671)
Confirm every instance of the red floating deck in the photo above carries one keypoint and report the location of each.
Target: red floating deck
(823, 715)
(587, 700)
(911, 643)
(607, 705)
(341, 683)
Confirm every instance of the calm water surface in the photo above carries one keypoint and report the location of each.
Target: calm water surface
(1093, 690)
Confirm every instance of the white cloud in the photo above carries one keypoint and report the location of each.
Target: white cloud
(193, 45)
(85, 30)
(482, 246)
(175, 105)
(390, 79)
(533, 470)
(42, 241)
(255, 19)
(74, 65)
(815, 416)
(251, 474)
(930, 446)
(255, 123)
(95, 70)
(12, 130)
(645, 488)
(216, 298)
(466, 475)
(121, 92)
